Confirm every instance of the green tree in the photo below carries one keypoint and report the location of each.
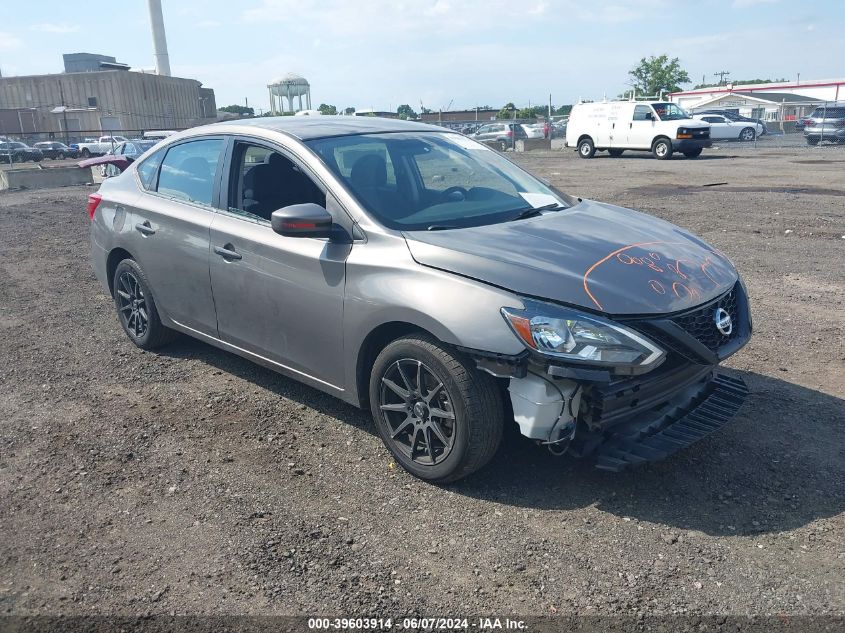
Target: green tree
(743, 82)
(349, 111)
(658, 74)
(325, 108)
(238, 109)
(507, 111)
(406, 112)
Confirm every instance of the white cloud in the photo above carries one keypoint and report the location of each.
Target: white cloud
(9, 41)
(48, 27)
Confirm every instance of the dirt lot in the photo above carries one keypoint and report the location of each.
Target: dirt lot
(192, 481)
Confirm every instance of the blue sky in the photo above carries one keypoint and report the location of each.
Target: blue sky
(374, 53)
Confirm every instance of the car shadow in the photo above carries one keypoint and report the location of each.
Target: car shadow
(288, 388)
(779, 465)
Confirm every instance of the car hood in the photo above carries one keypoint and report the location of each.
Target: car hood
(594, 255)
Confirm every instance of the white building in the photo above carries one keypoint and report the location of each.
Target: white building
(782, 101)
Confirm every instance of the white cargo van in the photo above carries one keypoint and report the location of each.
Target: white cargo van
(659, 127)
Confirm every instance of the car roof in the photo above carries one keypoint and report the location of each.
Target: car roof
(312, 127)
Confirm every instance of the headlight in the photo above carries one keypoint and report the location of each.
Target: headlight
(575, 336)
(684, 132)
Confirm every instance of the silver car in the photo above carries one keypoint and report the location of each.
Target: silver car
(418, 273)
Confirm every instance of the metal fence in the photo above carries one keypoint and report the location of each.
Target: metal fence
(77, 136)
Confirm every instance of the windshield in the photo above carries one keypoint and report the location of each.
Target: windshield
(669, 112)
(432, 180)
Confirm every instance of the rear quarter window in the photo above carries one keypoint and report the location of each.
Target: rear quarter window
(148, 170)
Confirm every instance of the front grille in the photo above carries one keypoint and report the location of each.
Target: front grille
(705, 133)
(701, 324)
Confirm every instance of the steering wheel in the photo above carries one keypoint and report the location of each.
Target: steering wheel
(454, 194)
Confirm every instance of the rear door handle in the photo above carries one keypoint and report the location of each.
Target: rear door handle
(228, 252)
(145, 228)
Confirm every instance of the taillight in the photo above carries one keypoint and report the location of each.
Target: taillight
(94, 200)
(510, 133)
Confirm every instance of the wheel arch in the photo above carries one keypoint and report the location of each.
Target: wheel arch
(584, 137)
(116, 255)
(376, 340)
(660, 137)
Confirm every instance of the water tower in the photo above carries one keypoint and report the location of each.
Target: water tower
(288, 87)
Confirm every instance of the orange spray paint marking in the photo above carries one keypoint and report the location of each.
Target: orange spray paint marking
(657, 287)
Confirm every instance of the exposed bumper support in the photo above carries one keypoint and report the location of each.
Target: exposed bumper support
(651, 441)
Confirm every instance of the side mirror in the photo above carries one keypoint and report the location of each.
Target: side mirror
(302, 220)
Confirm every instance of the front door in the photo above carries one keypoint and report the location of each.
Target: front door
(641, 128)
(278, 297)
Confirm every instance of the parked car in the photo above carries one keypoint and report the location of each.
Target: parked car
(502, 134)
(616, 126)
(412, 271)
(129, 150)
(826, 124)
(100, 147)
(17, 152)
(723, 128)
(533, 130)
(56, 150)
(558, 129)
(733, 116)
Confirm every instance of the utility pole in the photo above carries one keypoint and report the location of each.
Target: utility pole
(721, 75)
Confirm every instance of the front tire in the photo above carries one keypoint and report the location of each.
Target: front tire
(693, 153)
(812, 141)
(747, 135)
(61, 156)
(136, 308)
(586, 148)
(86, 153)
(438, 415)
(662, 149)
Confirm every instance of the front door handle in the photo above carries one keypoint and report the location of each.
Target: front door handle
(228, 252)
(145, 228)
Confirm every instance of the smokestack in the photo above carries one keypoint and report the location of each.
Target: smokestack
(159, 38)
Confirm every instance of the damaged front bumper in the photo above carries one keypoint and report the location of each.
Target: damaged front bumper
(628, 420)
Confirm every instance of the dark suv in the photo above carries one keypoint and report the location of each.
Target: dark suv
(826, 123)
(733, 116)
(16, 152)
(501, 134)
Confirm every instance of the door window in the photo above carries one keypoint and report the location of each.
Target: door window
(264, 180)
(187, 171)
(148, 170)
(642, 113)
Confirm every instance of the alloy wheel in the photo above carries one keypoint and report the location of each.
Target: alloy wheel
(132, 305)
(418, 411)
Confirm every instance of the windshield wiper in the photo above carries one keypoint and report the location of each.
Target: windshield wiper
(440, 227)
(530, 212)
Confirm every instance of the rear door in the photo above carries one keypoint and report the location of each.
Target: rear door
(171, 223)
(280, 298)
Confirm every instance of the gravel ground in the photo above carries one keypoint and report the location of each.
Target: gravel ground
(191, 481)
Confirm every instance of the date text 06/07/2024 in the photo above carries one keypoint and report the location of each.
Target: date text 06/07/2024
(412, 624)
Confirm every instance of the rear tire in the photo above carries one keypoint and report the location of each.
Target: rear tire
(693, 153)
(747, 135)
(662, 149)
(586, 149)
(86, 153)
(615, 153)
(136, 308)
(61, 156)
(812, 141)
(414, 377)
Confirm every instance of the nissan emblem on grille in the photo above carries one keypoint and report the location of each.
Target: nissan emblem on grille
(723, 321)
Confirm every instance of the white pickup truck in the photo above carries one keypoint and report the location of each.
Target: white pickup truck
(100, 147)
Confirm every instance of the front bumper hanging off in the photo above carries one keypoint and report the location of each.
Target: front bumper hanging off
(631, 444)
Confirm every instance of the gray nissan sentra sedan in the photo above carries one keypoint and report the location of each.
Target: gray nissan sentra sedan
(411, 270)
